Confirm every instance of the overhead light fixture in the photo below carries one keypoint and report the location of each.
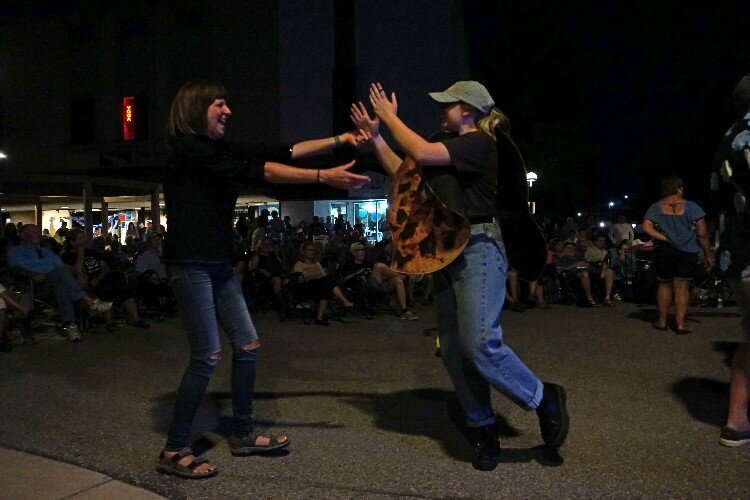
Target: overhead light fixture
(3, 156)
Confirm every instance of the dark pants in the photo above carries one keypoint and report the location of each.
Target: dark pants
(208, 294)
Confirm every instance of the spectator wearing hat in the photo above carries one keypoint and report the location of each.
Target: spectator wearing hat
(379, 276)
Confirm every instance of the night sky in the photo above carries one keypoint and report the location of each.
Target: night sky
(605, 98)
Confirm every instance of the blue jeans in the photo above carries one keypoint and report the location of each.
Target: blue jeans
(469, 296)
(208, 295)
(67, 290)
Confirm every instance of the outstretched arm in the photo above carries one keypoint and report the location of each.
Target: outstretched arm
(370, 129)
(316, 147)
(423, 152)
(338, 177)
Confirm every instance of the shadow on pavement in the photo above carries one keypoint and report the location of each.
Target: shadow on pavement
(706, 400)
(727, 349)
(432, 413)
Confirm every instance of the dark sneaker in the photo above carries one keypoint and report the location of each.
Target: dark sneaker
(71, 332)
(553, 415)
(733, 438)
(407, 315)
(486, 448)
(99, 306)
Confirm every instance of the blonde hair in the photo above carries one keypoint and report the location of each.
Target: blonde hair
(495, 118)
(305, 245)
(487, 123)
(187, 115)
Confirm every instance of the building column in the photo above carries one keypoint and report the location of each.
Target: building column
(38, 214)
(155, 210)
(105, 217)
(88, 212)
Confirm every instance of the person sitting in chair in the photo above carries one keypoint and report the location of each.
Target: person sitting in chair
(570, 262)
(381, 277)
(46, 269)
(269, 264)
(599, 266)
(316, 283)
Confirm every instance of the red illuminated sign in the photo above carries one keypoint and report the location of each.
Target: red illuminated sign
(128, 118)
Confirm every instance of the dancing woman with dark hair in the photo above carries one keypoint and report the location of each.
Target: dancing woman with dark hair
(202, 182)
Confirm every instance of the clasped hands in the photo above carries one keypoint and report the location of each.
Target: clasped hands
(383, 107)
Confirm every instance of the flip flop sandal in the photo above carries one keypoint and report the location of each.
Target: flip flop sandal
(173, 467)
(246, 446)
(661, 328)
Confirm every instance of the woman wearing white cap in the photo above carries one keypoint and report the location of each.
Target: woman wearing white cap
(469, 292)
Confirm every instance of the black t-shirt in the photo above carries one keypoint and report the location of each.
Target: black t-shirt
(91, 261)
(270, 263)
(469, 185)
(202, 181)
(352, 267)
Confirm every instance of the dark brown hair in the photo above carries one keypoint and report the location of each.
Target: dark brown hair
(187, 114)
(670, 185)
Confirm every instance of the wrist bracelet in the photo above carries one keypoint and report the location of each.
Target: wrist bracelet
(336, 141)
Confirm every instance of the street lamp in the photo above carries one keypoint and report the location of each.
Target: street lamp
(530, 178)
(611, 204)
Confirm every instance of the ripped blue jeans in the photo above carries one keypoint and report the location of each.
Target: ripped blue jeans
(469, 296)
(209, 295)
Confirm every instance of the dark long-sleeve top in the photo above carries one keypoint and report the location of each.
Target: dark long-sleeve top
(201, 184)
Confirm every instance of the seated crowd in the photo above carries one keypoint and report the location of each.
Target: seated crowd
(324, 261)
(58, 275)
(588, 267)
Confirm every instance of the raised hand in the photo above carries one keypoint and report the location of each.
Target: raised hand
(361, 119)
(353, 138)
(340, 177)
(383, 107)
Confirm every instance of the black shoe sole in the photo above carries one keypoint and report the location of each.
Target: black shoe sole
(487, 464)
(257, 450)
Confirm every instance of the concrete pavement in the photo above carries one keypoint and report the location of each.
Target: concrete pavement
(30, 477)
(371, 414)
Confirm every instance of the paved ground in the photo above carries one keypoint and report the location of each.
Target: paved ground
(369, 409)
(27, 476)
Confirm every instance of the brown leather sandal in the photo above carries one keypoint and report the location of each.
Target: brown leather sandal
(247, 445)
(173, 467)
